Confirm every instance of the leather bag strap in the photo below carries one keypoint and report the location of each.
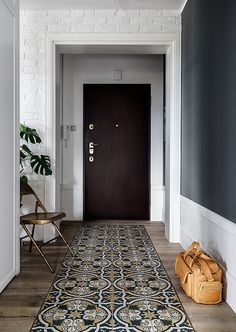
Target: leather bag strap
(204, 256)
(205, 269)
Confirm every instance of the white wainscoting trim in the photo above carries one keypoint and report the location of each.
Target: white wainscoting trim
(226, 224)
(71, 187)
(72, 202)
(217, 236)
(157, 210)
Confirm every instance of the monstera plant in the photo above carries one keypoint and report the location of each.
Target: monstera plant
(39, 164)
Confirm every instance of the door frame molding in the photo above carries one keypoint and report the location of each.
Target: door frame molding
(172, 45)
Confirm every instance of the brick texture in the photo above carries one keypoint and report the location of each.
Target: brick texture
(34, 26)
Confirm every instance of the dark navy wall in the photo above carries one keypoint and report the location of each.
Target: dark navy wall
(209, 105)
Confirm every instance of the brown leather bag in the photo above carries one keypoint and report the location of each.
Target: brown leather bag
(200, 275)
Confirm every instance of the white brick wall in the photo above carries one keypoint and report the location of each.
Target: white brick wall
(34, 26)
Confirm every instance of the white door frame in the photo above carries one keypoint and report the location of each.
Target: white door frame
(173, 111)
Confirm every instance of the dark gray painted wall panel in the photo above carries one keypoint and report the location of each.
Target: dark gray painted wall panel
(209, 105)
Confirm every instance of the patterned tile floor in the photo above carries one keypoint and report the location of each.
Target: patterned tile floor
(115, 282)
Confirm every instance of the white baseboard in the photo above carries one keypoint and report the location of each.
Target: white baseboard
(73, 215)
(157, 210)
(217, 236)
(72, 202)
(157, 215)
(6, 280)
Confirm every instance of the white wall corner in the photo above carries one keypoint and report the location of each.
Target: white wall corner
(173, 140)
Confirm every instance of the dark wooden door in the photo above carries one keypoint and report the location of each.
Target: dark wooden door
(116, 151)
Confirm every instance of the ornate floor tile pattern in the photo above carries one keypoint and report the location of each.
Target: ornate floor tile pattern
(115, 282)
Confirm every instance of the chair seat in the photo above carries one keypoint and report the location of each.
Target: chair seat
(41, 218)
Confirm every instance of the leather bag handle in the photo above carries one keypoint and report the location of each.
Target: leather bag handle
(205, 269)
(194, 249)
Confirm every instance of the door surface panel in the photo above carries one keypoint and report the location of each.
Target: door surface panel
(116, 164)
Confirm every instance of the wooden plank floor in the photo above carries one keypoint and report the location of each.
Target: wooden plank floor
(21, 300)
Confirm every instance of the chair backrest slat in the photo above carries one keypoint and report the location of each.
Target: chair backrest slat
(26, 189)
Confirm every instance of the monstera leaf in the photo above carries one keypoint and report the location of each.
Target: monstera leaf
(41, 164)
(29, 134)
(25, 151)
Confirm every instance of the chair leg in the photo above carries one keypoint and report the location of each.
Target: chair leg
(40, 251)
(31, 243)
(58, 231)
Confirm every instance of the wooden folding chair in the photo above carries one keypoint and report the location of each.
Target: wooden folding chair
(40, 218)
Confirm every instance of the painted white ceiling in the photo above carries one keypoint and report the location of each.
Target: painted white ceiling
(103, 4)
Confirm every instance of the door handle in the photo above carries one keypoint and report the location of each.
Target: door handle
(91, 147)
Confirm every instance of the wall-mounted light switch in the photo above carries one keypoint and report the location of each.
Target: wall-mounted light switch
(117, 75)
